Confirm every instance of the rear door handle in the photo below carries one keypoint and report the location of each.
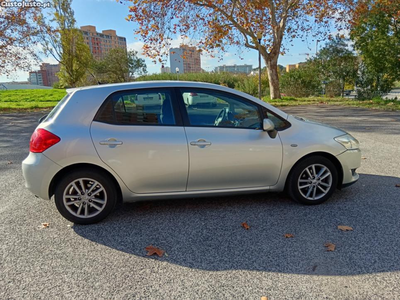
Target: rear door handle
(200, 143)
(111, 142)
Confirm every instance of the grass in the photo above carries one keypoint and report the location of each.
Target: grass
(32, 100)
(370, 104)
(26, 100)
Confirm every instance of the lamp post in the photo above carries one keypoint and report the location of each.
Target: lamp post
(177, 73)
(259, 37)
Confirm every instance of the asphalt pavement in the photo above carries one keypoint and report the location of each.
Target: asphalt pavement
(209, 255)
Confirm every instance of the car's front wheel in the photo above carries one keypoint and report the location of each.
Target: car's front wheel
(313, 180)
(85, 196)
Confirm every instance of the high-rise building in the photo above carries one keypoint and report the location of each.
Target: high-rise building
(38, 78)
(184, 59)
(46, 76)
(246, 69)
(101, 42)
(51, 71)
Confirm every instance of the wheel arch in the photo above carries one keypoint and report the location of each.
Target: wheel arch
(83, 166)
(329, 156)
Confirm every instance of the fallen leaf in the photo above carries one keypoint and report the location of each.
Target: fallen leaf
(397, 185)
(151, 250)
(264, 298)
(363, 157)
(10, 163)
(314, 268)
(45, 225)
(345, 228)
(245, 226)
(289, 235)
(330, 247)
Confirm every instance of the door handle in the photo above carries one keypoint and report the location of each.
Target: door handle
(111, 142)
(200, 143)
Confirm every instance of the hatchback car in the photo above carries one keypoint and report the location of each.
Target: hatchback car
(101, 145)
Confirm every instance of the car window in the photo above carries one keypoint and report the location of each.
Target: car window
(138, 107)
(220, 109)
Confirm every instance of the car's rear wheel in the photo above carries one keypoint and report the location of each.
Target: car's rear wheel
(313, 180)
(85, 196)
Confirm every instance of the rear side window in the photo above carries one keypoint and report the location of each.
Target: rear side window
(137, 107)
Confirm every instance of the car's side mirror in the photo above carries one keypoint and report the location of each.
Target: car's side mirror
(269, 127)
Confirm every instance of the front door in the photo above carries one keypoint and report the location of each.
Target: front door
(227, 147)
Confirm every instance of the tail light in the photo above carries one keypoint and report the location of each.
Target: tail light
(41, 140)
(193, 94)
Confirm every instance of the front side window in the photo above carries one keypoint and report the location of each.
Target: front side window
(212, 108)
(137, 107)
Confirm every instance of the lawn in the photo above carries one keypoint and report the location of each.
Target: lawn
(15, 100)
(27, 100)
(371, 104)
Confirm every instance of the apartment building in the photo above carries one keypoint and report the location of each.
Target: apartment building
(186, 59)
(245, 69)
(46, 76)
(101, 42)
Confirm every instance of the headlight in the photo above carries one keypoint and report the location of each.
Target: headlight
(348, 141)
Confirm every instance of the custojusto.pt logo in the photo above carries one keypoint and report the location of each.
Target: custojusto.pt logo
(24, 4)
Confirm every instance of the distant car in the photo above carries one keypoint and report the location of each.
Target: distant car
(100, 145)
(192, 99)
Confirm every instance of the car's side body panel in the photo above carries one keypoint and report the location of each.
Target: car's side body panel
(235, 158)
(151, 159)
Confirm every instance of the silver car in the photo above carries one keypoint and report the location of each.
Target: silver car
(101, 145)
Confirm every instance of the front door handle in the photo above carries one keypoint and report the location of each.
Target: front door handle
(200, 143)
(111, 142)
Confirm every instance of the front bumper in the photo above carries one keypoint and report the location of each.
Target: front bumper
(350, 161)
(38, 171)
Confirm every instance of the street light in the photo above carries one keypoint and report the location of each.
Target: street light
(259, 37)
(177, 73)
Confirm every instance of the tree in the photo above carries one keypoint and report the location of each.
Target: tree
(119, 66)
(336, 64)
(65, 43)
(218, 24)
(18, 37)
(376, 35)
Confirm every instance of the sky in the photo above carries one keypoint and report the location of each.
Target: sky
(110, 14)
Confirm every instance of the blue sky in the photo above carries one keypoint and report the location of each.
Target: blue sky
(109, 14)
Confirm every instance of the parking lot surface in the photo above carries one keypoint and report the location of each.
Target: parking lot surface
(209, 255)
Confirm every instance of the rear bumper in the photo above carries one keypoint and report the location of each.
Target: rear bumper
(350, 161)
(38, 171)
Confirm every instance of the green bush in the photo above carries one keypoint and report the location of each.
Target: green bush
(302, 82)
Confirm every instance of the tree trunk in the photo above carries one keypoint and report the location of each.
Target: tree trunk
(273, 78)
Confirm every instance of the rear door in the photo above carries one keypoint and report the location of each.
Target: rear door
(139, 134)
(227, 147)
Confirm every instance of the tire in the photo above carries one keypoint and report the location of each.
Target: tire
(89, 207)
(304, 187)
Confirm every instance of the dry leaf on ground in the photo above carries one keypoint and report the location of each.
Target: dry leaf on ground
(245, 226)
(397, 185)
(10, 163)
(45, 225)
(363, 157)
(289, 235)
(330, 247)
(151, 250)
(345, 228)
(264, 298)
